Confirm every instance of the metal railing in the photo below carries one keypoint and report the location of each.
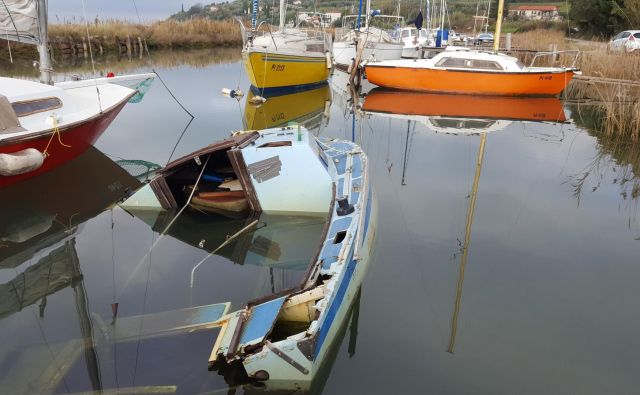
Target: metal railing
(555, 56)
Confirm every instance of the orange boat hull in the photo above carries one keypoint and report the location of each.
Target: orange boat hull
(547, 109)
(470, 82)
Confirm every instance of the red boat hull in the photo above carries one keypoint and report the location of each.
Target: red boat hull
(75, 140)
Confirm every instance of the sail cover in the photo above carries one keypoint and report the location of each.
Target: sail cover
(19, 21)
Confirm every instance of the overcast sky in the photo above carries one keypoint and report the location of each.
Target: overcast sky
(65, 10)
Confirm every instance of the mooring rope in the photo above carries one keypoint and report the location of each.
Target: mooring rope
(56, 131)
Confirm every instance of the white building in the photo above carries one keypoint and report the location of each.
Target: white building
(535, 12)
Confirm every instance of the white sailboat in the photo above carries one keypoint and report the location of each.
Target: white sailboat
(44, 125)
(380, 43)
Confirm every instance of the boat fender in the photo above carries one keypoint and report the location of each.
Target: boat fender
(257, 100)
(344, 207)
(328, 56)
(20, 162)
(233, 93)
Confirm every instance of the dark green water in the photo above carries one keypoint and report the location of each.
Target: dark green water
(548, 301)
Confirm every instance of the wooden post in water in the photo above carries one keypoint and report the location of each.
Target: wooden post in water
(84, 48)
(140, 46)
(129, 46)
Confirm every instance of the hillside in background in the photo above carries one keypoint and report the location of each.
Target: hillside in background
(460, 12)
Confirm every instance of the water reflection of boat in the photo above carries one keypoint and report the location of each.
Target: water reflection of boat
(420, 106)
(283, 338)
(33, 220)
(279, 241)
(39, 231)
(307, 108)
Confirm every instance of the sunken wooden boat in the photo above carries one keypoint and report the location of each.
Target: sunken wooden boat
(281, 340)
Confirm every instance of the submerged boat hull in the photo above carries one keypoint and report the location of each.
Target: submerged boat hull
(469, 82)
(268, 70)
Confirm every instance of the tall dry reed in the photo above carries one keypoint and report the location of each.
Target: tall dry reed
(196, 32)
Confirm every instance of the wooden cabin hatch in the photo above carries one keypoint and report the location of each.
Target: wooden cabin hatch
(209, 180)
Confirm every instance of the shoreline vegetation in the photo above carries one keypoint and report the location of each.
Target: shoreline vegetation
(120, 36)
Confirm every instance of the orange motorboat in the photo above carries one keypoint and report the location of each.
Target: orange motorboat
(540, 109)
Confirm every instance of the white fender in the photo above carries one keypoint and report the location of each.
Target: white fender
(20, 162)
(329, 63)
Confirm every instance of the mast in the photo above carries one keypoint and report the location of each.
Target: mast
(496, 39)
(254, 15)
(283, 13)
(465, 247)
(358, 24)
(366, 21)
(428, 20)
(442, 5)
(46, 70)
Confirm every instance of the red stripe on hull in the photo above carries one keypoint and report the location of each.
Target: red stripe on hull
(79, 137)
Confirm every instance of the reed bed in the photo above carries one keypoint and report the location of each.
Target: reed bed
(192, 33)
(596, 60)
(606, 93)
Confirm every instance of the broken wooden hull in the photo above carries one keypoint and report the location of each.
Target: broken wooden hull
(282, 340)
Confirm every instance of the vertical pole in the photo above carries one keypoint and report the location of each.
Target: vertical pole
(465, 246)
(368, 11)
(283, 13)
(43, 47)
(496, 39)
(358, 23)
(254, 15)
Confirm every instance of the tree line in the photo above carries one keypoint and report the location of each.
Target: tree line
(604, 17)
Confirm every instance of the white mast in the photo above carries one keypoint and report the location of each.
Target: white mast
(46, 70)
(442, 5)
(283, 13)
(368, 11)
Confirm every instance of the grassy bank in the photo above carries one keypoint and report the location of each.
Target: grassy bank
(194, 33)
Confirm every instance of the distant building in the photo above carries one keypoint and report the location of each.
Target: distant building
(535, 12)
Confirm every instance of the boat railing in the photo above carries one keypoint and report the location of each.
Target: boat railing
(555, 57)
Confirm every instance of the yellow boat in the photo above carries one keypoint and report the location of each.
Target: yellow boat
(305, 107)
(289, 57)
(269, 69)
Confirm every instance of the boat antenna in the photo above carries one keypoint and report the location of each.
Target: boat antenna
(93, 64)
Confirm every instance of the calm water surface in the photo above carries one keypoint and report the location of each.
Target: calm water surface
(532, 290)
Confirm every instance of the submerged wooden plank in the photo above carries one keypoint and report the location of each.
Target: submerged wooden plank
(150, 389)
(167, 322)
